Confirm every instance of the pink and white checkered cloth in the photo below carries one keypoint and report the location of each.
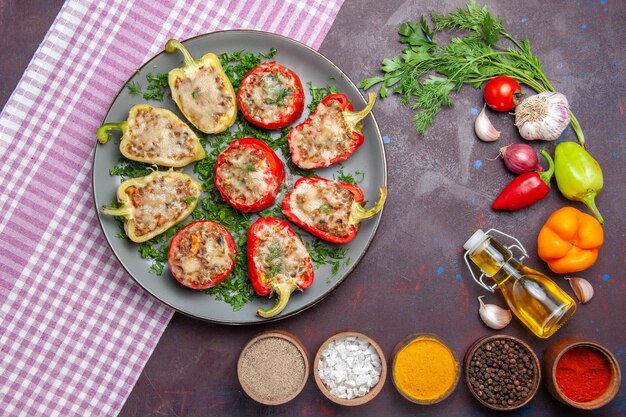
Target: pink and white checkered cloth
(75, 329)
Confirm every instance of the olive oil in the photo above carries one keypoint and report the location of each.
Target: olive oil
(533, 297)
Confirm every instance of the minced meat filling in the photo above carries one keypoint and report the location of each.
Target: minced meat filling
(324, 206)
(162, 201)
(155, 136)
(245, 175)
(269, 96)
(325, 137)
(280, 255)
(204, 97)
(203, 254)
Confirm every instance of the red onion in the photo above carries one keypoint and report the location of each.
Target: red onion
(520, 158)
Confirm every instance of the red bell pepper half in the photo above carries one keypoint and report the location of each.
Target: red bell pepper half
(202, 254)
(330, 210)
(526, 189)
(271, 96)
(330, 134)
(249, 174)
(278, 262)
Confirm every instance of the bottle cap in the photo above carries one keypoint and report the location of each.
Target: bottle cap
(475, 240)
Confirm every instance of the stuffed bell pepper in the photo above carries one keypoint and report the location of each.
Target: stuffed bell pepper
(330, 134)
(202, 254)
(248, 175)
(152, 204)
(278, 262)
(155, 136)
(330, 210)
(202, 91)
(271, 96)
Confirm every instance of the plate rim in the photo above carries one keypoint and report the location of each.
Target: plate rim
(348, 271)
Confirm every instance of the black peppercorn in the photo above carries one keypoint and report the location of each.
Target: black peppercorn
(503, 373)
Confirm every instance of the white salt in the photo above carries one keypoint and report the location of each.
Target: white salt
(349, 367)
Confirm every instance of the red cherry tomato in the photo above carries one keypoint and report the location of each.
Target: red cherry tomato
(202, 254)
(500, 93)
(248, 175)
(271, 96)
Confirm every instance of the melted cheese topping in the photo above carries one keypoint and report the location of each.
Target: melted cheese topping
(245, 176)
(203, 97)
(280, 255)
(203, 254)
(269, 96)
(325, 206)
(154, 136)
(160, 202)
(324, 137)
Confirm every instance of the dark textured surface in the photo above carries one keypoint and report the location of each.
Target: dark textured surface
(413, 278)
(23, 24)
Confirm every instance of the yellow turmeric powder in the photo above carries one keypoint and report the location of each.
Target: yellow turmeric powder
(425, 369)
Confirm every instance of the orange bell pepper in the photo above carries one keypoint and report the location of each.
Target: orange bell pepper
(569, 241)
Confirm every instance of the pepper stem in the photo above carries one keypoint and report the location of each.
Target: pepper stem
(590, 201)
(546, 175)
(353, 118)
(103, 131)
(359, 213)
(122, 211)
(283, 291)
(172, 45)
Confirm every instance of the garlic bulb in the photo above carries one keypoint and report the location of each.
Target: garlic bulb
(582, 288)
(543, 116)
(484, 129)
(494, 316)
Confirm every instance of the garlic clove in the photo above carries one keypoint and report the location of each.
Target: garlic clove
(582, 288)
(494, 316)
(484, 129)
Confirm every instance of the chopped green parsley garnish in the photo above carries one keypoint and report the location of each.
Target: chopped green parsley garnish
(237, 64)
(323, 254)
(356, 178)
(158, 86)
(318, 94)
(133, 88)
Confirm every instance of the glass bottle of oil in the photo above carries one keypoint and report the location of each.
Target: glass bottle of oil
(533, 297)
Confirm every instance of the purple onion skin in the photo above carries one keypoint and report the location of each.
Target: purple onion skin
(520, 158)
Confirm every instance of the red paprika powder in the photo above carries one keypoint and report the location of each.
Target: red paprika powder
(583, 374)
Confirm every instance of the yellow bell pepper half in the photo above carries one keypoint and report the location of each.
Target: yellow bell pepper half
(152, 204)
(202, 91)
(569, 241)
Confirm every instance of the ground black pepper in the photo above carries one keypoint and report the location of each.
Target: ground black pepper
(272, 369)
(502, 373)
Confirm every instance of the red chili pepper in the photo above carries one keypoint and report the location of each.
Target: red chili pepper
(526, 189)
(323, 208)
(278, 262)
(279, 105)
(316, 143)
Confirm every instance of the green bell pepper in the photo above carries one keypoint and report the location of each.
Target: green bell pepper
(578, 175)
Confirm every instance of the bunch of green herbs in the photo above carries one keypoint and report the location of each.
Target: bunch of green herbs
(427, 73)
